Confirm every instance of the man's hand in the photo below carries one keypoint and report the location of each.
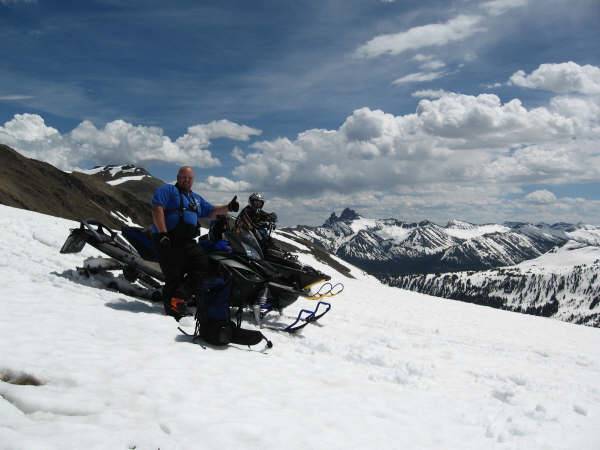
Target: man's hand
(164, 240)
(233, 205)
(273, 217)
(222, 210)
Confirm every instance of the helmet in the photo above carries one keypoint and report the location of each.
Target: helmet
(256, 200)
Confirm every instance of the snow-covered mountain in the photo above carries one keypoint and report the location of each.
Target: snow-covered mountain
(84, 367)
(391, 247)
(118, 174)
(487, 261)
(135, 180)
(563, 283)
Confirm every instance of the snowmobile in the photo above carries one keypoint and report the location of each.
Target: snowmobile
(263, 278)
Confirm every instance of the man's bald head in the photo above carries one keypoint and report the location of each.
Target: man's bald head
(185, 178)
(185, 169)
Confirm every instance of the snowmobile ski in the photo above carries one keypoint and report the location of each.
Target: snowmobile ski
(303, 318)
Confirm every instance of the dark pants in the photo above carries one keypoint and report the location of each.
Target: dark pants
(177, 261)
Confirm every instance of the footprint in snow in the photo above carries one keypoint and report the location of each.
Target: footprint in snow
(505, 396)
(583, 362)
(19, 378)
(518, 380)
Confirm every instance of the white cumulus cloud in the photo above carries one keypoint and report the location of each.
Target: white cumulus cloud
(541, 197)
(479, 146)
(222, 184)
(27, 128)
(454, 154)
(484, 121)
(568, 77)
(429, 93)
(117, 142)
(223, 129)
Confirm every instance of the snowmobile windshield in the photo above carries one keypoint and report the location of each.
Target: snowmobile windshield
(246, 244)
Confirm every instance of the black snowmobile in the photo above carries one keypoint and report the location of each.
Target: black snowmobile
(264, 278)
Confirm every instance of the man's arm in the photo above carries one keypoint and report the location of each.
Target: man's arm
(158, 217)
(220, 210)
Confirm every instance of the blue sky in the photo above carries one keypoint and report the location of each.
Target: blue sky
(281, 68)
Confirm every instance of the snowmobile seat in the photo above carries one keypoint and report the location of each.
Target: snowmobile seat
(141, 239)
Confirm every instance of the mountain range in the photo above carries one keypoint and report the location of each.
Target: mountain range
(391, 247)
(542, 269)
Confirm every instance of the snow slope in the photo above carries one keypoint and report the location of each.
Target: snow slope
(589, 234)
(386, 369)
(562, 283)
(465, 230)
(563, 259)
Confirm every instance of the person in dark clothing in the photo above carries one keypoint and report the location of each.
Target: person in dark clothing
(253, 215)
(253, 218)
(175, 214)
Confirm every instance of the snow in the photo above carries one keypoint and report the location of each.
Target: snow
(362, 224)
(562, 284)
(386, 368)
(281, 237)
(563, 259)
(125, 179)
(586, 233)
(475, 231)
(124, 219)
(130, 169)
(395, 233)
(115, 170)
(93, 171)
(455, 223)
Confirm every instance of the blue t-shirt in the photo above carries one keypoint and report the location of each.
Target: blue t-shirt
(194, 206)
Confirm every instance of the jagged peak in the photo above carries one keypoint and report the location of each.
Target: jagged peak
(514, 224)
(424, 223)
(349, 214)
(333, 218)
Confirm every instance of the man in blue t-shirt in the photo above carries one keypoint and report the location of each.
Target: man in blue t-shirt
(175, 214)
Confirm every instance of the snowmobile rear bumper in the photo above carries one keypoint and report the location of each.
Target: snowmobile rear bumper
(108, 242)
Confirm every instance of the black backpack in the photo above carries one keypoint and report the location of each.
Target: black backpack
(213, 317)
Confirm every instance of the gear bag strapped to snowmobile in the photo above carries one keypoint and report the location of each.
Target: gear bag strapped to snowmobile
(213, 317)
